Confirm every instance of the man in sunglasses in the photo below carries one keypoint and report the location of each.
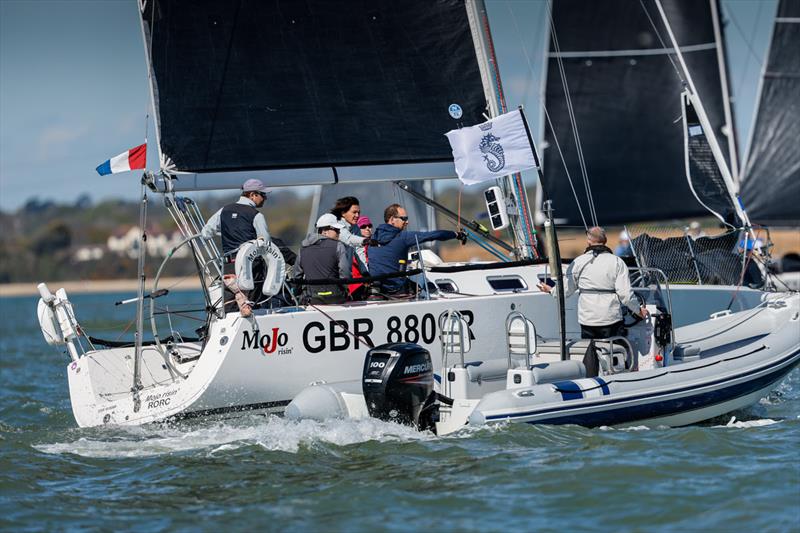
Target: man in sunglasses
(389, 250)
(238, 223)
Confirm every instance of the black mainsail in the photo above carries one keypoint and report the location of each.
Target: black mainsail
(309, 92)
(626, 100)
(771, 178)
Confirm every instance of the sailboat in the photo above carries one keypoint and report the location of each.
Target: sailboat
(245, 90)
(286, 96)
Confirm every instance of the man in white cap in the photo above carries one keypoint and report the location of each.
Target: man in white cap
(238, 223)
(323, 257)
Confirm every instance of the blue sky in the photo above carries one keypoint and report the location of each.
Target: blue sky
(73, 87)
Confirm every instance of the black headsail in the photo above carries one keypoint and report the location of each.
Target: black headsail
(771, 178)
(309, 92)
(702, 172)
(626, 99)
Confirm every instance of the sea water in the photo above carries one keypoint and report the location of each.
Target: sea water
(740, 472)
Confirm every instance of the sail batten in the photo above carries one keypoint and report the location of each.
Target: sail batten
(634, 52)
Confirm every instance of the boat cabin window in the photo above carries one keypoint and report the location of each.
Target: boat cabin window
(507, 283)
(447, 285)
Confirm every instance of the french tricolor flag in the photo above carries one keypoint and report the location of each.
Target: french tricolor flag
(133, 159)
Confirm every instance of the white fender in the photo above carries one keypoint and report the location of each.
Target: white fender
(49, 324)
(56, 317)
(276, 266)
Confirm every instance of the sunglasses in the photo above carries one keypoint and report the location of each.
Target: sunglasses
(366, 226)
(404, 219)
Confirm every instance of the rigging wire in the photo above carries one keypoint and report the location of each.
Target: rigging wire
(748, 43)
(550, 123)
(663, 44)
(573, 121)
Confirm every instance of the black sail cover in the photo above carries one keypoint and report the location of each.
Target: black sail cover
(627, 103)
(287, 84)
(771, 179)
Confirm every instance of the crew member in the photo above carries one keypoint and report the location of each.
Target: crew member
(361, 258)
(392, 242)
(238, 223)
(624, 249)
(347, 210)
(602, 282)
(324, 257)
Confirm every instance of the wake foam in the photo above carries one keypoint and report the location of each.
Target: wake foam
(733, 423)
(272, 433)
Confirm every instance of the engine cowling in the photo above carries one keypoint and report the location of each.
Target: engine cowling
(397, 382)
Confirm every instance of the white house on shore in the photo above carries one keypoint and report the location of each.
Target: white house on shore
(126, 243)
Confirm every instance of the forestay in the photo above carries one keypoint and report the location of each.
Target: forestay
(309, 92)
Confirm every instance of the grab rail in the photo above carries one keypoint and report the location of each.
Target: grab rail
(447, 321)
(513, 317)
(630, 355)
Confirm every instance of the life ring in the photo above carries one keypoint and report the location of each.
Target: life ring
(275, 266)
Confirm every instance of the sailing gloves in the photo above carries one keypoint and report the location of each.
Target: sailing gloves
(462, 236)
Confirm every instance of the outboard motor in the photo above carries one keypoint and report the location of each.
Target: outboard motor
(398, 385)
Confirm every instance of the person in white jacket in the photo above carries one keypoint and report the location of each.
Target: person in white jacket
(602, 282)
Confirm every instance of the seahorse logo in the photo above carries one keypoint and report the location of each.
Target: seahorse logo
(493, 154)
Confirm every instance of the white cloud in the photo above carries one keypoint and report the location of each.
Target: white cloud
(54, 141)
(130, 123)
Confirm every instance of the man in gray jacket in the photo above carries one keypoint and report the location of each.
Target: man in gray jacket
(602, 282)
(322, 256)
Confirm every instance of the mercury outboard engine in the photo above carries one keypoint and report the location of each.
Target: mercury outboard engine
(398, 385)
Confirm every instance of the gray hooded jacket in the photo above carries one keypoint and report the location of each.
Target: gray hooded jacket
(323, 258)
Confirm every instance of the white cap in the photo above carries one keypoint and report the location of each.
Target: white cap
(623, 236)
(329, 220)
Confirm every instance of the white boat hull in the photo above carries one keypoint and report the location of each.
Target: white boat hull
(239, 370)
(748, 354)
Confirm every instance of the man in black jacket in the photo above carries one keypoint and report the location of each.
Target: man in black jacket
(322, 256)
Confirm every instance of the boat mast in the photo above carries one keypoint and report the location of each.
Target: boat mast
(701, 114)
(137, 357)
(554, 259)
(513, 185)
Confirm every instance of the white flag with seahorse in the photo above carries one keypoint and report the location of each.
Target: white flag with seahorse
(493, 149)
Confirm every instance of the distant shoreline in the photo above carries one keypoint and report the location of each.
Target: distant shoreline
(97, 286)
